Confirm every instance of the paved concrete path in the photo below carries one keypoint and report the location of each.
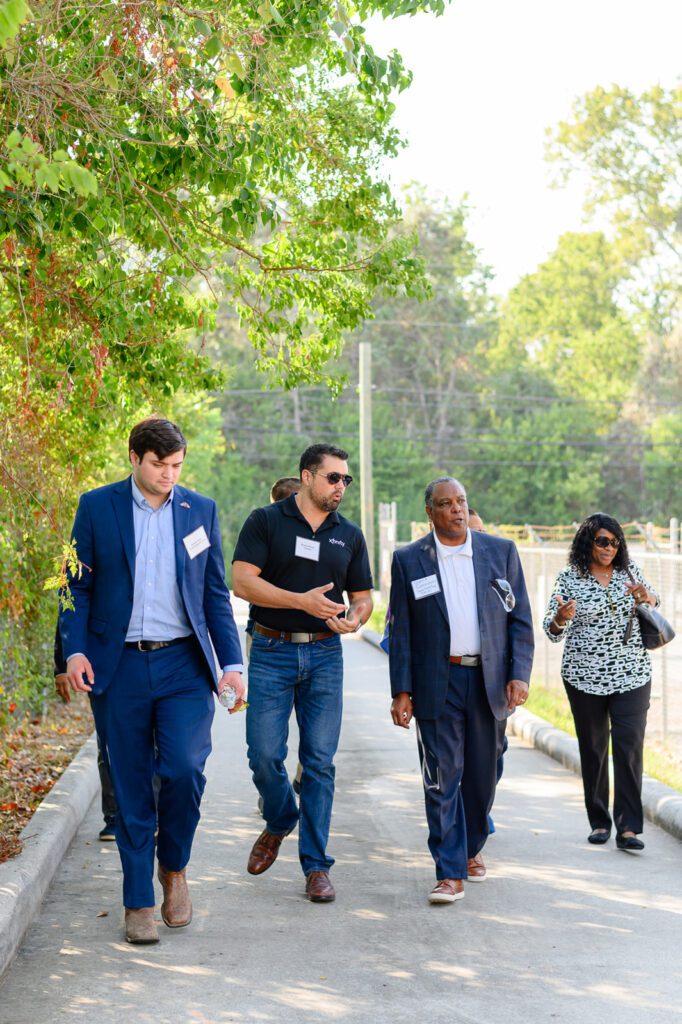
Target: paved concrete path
(560, 931)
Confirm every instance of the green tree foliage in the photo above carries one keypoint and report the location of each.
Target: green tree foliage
(153, 159)
(533, 404)
(631, 147)
(424, 356)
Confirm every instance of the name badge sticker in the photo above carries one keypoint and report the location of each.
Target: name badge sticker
(306, 548)
(196, 542)
(426, 586)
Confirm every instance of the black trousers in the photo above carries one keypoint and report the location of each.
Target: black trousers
(108, 799)
(623, 715)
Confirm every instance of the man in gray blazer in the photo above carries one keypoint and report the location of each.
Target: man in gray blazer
(460, 657)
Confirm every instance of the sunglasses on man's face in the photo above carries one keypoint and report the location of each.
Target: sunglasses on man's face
(605, 542)
(335, 478)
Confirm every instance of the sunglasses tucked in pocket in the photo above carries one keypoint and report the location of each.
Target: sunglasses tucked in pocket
(503, 590)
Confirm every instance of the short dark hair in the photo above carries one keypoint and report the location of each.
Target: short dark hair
(283, 487)
(156, 435)
(580, 555)
(430, 488)
(473, 512)
(315, 453)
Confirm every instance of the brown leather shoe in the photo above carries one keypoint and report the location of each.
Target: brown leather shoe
(141, 926)
(476, 869)
(264, 852)
(447, 890)
(318, 888)
(176, 909)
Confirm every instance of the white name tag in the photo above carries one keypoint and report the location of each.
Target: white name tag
(308, 549)
(426, 586)
(196, 542)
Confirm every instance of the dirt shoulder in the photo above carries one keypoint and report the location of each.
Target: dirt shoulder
(32, 758)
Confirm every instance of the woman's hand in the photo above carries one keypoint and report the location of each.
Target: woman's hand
(565, 612)
(640, 593)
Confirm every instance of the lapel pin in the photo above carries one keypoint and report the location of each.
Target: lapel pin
(185, 504)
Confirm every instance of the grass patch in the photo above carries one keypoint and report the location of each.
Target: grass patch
(378, 618)
(552, 705)
(659, 761)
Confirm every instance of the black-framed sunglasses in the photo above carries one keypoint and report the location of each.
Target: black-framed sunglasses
(335, 478)
(604, 542)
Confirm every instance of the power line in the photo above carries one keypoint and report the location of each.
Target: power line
(464, 440)
(462, 397)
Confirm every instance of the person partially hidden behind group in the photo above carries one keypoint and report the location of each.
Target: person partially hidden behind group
(476, 523)
(606, 672)
(283, 487)
(107, 833)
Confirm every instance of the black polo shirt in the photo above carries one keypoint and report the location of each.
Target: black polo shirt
(278, 539)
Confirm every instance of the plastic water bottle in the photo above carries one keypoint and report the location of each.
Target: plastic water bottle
(228, 697)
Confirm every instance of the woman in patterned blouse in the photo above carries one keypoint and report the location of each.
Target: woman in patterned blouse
(608, 680)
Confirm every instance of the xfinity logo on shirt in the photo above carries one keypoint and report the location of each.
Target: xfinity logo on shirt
(333, 540)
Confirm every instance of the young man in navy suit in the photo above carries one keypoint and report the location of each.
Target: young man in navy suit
(151, 606)
(460, 657)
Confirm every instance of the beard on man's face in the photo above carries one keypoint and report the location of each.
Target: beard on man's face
(326, 503)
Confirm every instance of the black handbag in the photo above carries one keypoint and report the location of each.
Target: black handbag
(655, 629)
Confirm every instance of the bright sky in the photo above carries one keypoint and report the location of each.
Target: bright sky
(489, 77)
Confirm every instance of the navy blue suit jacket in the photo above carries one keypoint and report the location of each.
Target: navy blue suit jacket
(419, 629)
(105, 543)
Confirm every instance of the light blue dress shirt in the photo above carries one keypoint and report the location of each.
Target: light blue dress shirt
(158, 609)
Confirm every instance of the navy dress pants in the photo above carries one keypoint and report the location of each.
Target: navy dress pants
(155, 718)
(458, 753)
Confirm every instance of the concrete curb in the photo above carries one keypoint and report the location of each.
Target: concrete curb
(662, 804)
(25, 879)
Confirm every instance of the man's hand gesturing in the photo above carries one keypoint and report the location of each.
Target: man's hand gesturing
(320, 607)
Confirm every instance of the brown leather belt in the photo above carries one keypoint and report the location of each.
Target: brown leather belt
(155, 645)
(468, 660)
(292, 638)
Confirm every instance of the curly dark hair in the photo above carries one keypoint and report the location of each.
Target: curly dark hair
(580, 555)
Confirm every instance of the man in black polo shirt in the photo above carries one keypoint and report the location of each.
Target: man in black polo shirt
(293, 561)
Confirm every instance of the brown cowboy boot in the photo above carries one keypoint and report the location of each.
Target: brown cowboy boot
(140, 926)
(176, 909)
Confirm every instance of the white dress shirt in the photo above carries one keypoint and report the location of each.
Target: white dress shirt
(456, 564)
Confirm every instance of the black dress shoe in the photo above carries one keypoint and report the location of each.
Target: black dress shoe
(599, 836)
(629, 843)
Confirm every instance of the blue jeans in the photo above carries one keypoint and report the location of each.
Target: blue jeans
(309, 678)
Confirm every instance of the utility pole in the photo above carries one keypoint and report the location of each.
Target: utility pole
(366, 481)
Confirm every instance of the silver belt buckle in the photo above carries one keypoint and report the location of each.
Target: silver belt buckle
(300, 638)
(139, 646)
(471, 660)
